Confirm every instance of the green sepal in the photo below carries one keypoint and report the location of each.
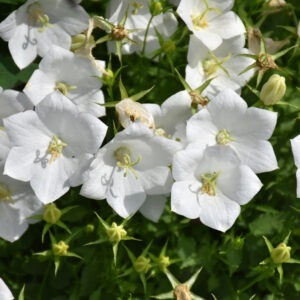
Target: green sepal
(122, 89)
(22, 293)
(141, 94)
(183, 81)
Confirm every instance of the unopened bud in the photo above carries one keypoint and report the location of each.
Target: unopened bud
(156, 7)
(273, 90)
(164, 261)
(277, 3)
(89, 228)
(60, 248)
(168, 46)
(108, 77)
(130, 111)
(116, 233)
(51, 213)
(142, 264)
(281, 254)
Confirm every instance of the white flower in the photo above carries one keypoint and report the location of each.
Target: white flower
(17, 203)
(211, 185)
(52, 146)
(298, 30)
(295, 142)
(210, 20)
(130, 167)
(5, 293)
(72, 75)
(227, 121)
(138, 17)
(37, 25)
(12, 102)
(224, 64)
(153, 207)
(170, 118)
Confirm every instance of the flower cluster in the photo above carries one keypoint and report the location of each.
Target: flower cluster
(203, 146)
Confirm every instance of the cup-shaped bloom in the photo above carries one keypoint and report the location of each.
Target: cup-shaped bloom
(17, 204)
(295, 142)
(273, 90)
(74, 76)
(211, 184)
(5, 292)
(52, 146)
(130, 167)
(37, 25)
(210, 20)
(228, 122)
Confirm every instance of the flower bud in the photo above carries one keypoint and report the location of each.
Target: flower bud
(130, 111)
(156, 7)
(51, 213)
(281, 254)
(273, 90)
(168, 46)
(89, 228)
(142, 264)
(60, 248)
(164, 261)
(277, 3)
(108, 77)
(116, 233)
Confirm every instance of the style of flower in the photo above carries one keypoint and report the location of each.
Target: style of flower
(211, 21)
(140, 25)
(75, 76)
(211, 184)
(130, 167)
(223, 65)
(5, 292)
(52, 146)
(228, 122)
(37, 25)
(17, 203)
(295, 142)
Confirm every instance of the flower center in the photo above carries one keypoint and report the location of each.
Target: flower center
(123, 158)
(209, 183)
(199, 20)
(37, 17)
(55, 148)
(212, 64)
(5, 193)
(64, 88)
(223, 137)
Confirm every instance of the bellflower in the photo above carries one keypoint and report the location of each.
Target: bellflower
(37, 25)
(210, 20)
(211, 185)
(295, 142)
(52, 146)
(18, 202)
(130, 167)
(72, 75)
(224, 65)
(228, 122)
(137, 19)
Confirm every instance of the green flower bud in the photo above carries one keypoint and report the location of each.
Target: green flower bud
(116, 233)
(142, 264)
(60, 248)
(108, 77)
(164, 261)
(156, 7)
(281, 254)
(51, 213)
(273, 90)
(89, 228)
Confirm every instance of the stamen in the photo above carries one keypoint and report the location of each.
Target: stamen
(209, 183)
(5, 193)
(55, 148)
(36, 16)
(123, 158)
(64, 88)
(223, 137)
(212, 64)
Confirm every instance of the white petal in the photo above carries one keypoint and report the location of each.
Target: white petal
(295, 142)
(23, 46)
(298, 183)
(127, 195)
(153, 207)
(257, 154)
(218, 212)
(239, 185)
(8, 26)
(185, 199)
(5, 293)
